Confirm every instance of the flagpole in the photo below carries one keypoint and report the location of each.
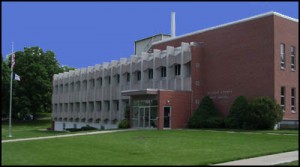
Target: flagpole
(10, 98)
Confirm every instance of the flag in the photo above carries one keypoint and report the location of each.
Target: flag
(12, 60)
(16, 77)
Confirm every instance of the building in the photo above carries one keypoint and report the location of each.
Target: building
(256, 56)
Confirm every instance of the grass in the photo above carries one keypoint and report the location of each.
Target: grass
(27, 129)
(147, 147)
(294, 163)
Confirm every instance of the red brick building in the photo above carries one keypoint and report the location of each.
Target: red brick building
(252, 57)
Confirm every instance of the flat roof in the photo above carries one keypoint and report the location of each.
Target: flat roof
(152, 36)
(228, 24)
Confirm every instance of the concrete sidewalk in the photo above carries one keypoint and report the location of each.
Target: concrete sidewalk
(266, 160)
(68, 135)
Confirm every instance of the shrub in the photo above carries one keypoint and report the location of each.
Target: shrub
(88, 128)
(206, 115)
(124, 124)
(235, 118)
(263, 113)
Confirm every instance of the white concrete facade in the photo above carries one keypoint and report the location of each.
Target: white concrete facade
(92, 96)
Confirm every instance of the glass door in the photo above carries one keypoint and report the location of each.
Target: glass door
(141, 117)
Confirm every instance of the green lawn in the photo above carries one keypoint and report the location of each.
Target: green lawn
(294, 163)
(27, 129)
(147, 147)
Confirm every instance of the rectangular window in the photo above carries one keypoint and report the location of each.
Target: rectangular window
(108, 105)
(71, 107)
(78, 85)
(108, 80)
(293, 99)
(92, 83)
(99, 81)
(163, 72)
(98, 106)
(293, 58)
(72, 87)
(282, 55)
(84, 83)
(282, 98)
(61, 88)
(177, 69)
(128, 77)
(91, 106)
(138, 73)
(66, 88)
(83, 106)
(150, 73)
(118, 78)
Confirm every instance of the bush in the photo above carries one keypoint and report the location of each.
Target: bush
(88, 128)
(235, 118)
(263, 113)
(206, 115)
(124, 124)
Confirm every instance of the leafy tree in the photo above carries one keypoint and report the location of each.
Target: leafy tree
(5, 87)
(263, 113)
(235, 119)
(206, 115)
(34, 91)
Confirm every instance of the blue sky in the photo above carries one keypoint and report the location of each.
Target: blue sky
(83, 34)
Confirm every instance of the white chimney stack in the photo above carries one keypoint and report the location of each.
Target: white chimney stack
(173, 25)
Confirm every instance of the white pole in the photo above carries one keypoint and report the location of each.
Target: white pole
(173, 26)
(10, 98)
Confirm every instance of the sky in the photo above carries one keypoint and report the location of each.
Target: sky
(83, 34)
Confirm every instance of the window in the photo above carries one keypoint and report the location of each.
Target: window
(128, 77)
(107, 105)
(92, 83)
(282, 98)
(91, 106)
(138, 73)
(56, 89)
(78, 85)
(72, 87)
(84, 83)
(108, 80)
(66, 87)
(177, 69)
(282, 56)
(116, 103)
(66, 107)
(77, 105)
(163, 72)
(99, 82)
(71, 107)
(150, 73)
(98, 106)
(118, 78)
(61, 88)
(84, 107)
(293, 99)
(293, 58)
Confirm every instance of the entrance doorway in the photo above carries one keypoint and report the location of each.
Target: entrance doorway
(167, 116)
(144, 114)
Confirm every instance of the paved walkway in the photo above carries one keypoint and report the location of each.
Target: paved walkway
(59, 136)
(266, 160)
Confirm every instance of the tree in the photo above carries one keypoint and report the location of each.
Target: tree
(206, 115)
(34, 91)
(235, 119)
(263, 113)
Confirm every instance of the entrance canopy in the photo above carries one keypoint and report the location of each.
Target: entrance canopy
(139, 92)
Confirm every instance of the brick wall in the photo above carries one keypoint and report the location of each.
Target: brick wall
(179, 101)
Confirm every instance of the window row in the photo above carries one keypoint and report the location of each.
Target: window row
(116, 79)
(292, 54)
(87, 106)
(292, 98)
